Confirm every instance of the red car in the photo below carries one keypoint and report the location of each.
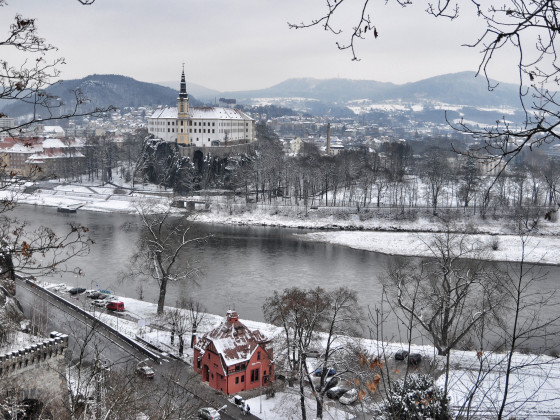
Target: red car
(115, 306)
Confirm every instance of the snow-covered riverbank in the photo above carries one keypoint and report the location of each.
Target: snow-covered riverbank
(383, 235)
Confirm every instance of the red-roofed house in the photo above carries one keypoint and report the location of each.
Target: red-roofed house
(232, 358)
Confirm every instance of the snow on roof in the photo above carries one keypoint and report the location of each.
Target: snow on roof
(53, 143)
(216, 113)
(53, 129)
(25, 148)
(167, 112)
(233, 340)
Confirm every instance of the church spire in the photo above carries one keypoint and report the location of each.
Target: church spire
(183, 91)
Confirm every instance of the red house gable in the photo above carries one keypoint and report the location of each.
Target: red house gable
(233, 358)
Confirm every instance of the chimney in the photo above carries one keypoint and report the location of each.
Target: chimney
(232, 316)
(328, 138)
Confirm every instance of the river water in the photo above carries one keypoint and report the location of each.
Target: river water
(239, 266)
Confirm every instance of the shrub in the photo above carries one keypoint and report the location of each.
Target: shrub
(417, 398)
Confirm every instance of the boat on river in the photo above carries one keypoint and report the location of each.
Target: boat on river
(66, 209)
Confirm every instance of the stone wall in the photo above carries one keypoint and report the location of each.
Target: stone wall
(219, 151)
(37, 371)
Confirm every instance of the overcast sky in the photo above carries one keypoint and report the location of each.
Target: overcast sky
(233, 45)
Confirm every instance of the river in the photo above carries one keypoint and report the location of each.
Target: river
(239, 266)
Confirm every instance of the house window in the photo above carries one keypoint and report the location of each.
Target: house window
(254, 375)
(258, 355)
(213, 124)
(212, 131)
(181, 122)
(243, 379)
(237, 379)
(208, 353)
(204, 130)
(204, 123)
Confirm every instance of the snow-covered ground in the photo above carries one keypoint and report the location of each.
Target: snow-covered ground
(537, 381)
(375, 234)
(534, 388)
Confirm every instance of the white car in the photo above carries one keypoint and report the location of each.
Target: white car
(349, 397)
(208, 413)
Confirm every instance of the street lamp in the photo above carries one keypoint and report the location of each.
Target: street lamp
(260, 375)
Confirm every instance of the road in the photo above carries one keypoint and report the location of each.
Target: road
(53, 313)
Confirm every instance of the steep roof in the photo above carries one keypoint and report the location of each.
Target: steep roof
(205, 112)
(233, 340)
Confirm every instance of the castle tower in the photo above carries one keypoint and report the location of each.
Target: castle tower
(183, 112)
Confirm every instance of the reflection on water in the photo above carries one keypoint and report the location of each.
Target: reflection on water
(239, 266)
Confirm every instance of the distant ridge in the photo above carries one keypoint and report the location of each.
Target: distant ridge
(314, 96)
(103, 90)
(456, 88)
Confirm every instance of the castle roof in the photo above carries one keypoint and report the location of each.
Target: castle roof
(205, 112)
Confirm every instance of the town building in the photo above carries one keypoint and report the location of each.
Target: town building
(5, 124)
(232, 358)
(201, 126)
(40, 157)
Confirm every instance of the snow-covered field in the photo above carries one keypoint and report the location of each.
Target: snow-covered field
(375, 234)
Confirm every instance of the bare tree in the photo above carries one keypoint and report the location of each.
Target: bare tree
(524, 29)
(27, 82)
(161, 248)
(307, 316)
(452, 291)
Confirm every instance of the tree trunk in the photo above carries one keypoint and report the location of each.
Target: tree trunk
(161, 298)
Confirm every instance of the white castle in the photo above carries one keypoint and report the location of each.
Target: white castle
(201, 126)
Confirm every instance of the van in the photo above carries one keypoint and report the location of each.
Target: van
(115, 306)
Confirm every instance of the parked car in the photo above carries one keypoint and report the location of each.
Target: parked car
(350, 397)
(99, 302)
(414, 359)
(337, 392)
(145, 371)
(401, 355)
(332, 382)
(96, 295)
(76, 290)
(330, 372)
(313, 353)
(115, 306)
(208, 413)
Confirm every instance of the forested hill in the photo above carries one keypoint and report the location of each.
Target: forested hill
(457, 88)
(103, 90)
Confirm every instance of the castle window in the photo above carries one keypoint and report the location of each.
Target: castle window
(204, 123)
(204, 130)
(190, 122)
(213, 124)
(190, 130)
(181, 122)
(212, 130)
